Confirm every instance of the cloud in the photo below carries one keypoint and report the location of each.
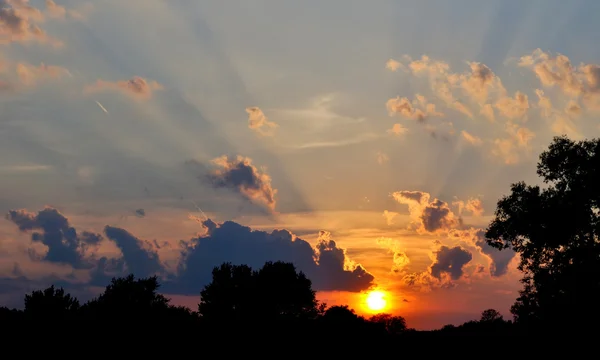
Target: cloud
(24, 168)
(364, 137)
(389, 216)
(393, 65)
(400, 259)
(136, 87)
(29, 75)
(57, 11)
(382, 158)
(258, 122)
(471, 139)
(450, 261)
(418, 109)
(472, 205)
(481, 92)
(428, 215)
(448, 266)
(436, 217)
(499, 259)
(557, 71)
(240, 175)
(398, 129)
(19, 23)
(326, 264)
(50, 228)
(140, 256)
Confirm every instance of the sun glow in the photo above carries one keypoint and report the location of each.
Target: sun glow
(376, 300)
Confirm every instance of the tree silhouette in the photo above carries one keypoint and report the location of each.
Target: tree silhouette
(556, 232)
(275, 296)
(50, 303)
(228, 297)
(284, 292)
(490, 315)
(129, 301)
(394, 325)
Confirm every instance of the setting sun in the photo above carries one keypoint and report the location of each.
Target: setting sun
(376, 300)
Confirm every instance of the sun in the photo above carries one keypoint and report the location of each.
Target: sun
(376, 300)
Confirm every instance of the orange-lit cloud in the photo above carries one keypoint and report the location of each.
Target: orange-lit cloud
(389, 216)
(418, 109)
(428, 215)
(259, 122)
(398, 129)
(29, 75)
(136, 87)
(471, 139)
(400, 259)
(242, 176)
(473, 206)
(19, 22)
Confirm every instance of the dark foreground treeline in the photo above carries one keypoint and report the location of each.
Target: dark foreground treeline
(555, 230)
(274, 302)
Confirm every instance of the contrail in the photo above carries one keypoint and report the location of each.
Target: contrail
(198, 208)
(102, 107)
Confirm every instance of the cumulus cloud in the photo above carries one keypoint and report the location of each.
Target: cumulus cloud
(240, 175)
(499, 259)
(400, 259)
(448, 266)
(450, 261)
(50, 228)
(556, 70)
(136, 87)
(259, 122)
(472, 205)
(481, 92)
(428, 215)
(418, 109)
(19, 22)
(435, 217)
(393, 65)
(398, 129)
(139, 255)
(326, 264)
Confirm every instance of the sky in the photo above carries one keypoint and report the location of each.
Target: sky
(367, 142)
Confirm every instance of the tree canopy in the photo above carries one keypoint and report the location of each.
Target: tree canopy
(555, 231)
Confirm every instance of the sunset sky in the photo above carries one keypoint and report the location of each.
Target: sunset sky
(366, 141)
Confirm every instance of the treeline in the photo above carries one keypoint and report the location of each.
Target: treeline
(275, 302)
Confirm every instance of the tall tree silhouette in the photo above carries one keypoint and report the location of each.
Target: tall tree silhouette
(228, 297)
(555, 230)
(129, 300)
(238, 296)
(284, 292)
